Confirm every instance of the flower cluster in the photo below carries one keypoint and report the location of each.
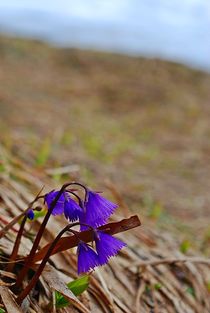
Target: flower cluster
(93, 211)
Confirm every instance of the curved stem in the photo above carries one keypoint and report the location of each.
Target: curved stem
(16, 218)
(37, 240)
(81, 185)
(78, 198)
(36, 276)
(14, 253)
(30, 257)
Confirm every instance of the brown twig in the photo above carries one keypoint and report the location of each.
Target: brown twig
(84, 236)
(69, 242)
(29, 260)
(36, 276)
(171, 260)
(14, 253)
(17, 218)
(38, 238)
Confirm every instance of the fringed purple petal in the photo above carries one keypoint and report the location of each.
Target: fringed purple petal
(107, 246)
(72, 210)
(59, 207)
(98, 209)
(82, 219)
(87, 258)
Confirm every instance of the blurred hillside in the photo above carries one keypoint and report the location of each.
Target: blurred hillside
(143, 124)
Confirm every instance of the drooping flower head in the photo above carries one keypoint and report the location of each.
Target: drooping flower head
(30, 214)
(87, 258)
(97, 209)
(65, 204)
(59, 206)
(92, 212)
(72, 210)
(107, 246)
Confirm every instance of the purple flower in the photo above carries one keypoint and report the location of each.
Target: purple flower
(65, 204)
(97, 210)
(107, 246)
(59, 207)
(87, 258)
(72, 210)
(30, 214)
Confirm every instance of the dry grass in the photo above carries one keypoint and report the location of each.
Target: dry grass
(151, 275)
(106, 112)
(139, 128)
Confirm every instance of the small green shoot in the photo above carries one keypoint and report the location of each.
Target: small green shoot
(155, 209)
(76, 286)
(44, 153)
(191, 291)
(157, 286)
(208, 286)
(2, 169)
(147, 289)
(93, 146)
(67, 138)
(184, 246)
(2, 310)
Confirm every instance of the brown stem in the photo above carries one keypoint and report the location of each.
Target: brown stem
(36, 276)
(38, 238)
(17, 218)
(85, 236)
(69, 242)
(14, 253)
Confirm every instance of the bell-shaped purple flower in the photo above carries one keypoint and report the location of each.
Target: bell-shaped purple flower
(98, 209)
(87, 258)
(59, 207)
(107, 246)
(72, 210)
(30, 214)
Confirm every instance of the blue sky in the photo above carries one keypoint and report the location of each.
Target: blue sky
(175, 29)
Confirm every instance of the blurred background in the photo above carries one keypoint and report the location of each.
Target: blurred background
(175, 30)
(113, 92)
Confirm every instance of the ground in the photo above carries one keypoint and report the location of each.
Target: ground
(140, 124)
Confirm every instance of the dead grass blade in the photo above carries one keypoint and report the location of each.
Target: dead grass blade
(7, 274)
(172, 260)
(10, 304)
(69, 242)
(55, 282)
(138, 296)
(101, 294)
(16, 218)
(162, 279)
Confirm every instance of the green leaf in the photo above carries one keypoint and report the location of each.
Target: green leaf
(76, 286)
(79, 285)
(2, 310)
(38, 214)
(61, 302)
